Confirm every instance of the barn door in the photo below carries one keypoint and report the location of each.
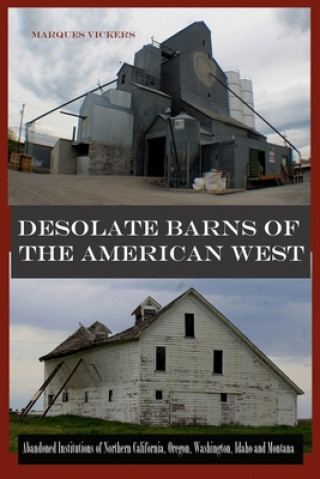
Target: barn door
(286, 409)
(256, 163)
(194, 408)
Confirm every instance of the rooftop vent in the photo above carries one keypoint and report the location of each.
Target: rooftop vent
(149, 307)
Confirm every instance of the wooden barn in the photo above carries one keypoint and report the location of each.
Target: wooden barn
(184, 363)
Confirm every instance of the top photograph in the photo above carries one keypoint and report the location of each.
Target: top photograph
(159, 106)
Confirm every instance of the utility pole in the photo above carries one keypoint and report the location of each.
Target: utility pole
(20, 126)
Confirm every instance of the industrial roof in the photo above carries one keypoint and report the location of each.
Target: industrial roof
(214, 115)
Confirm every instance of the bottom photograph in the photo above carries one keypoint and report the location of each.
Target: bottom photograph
(162, 353)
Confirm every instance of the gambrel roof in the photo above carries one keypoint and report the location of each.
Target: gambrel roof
(99, 335)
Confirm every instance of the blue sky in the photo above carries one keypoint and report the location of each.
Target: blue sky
(270, 46)
(274, 314)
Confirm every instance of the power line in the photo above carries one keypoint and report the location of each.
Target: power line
(70, 101)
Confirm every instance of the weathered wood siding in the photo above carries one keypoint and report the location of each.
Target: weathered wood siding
(105, 369)
(191, 392)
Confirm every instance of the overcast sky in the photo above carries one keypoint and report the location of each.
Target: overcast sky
(274, 314)
(270, 46)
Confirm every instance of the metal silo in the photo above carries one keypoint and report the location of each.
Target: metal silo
(184, 151)
(235, 105)
(247, 96)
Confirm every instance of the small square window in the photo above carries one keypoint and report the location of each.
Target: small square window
(50, 398)
(65, 397)
(158, 395)
(224, 397)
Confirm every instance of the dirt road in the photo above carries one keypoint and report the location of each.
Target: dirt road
(44, 189)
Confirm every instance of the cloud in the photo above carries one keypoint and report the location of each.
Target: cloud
(46, 72)
(300, 372)
(59, 67)
(294, 20)
(27, 344)
(274, 314)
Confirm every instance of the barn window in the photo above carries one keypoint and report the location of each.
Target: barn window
(160, 358)
(159, 395)
(224, 397)
(189, 325)
(86, 396)
(65, 396)
(110, 395)
(50, 398)
(217, 361)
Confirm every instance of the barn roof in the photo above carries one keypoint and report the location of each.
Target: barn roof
(99, 335)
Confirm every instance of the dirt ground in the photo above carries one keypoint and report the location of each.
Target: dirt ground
(44, 189)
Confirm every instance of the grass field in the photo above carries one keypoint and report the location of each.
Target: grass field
(81, 425)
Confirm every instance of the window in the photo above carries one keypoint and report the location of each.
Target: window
(65, 397)
(86, 396)
(224, 397)
(158, 395)
(217, 361)
(50, 398)
(160, 358)
(189, 325)
(110, 395)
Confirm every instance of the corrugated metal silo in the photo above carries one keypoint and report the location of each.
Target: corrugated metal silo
(184, 150)
(247, 96)
(235, 105)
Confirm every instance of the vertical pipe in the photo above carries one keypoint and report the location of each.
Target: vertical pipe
(20, 126)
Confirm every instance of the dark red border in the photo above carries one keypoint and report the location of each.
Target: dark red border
(8, 462)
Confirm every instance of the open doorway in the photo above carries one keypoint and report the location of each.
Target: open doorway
(257, 163)
(155, 156)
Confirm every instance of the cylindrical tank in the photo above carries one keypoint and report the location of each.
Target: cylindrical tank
(235, 105)
(247, 96)
(184, 150)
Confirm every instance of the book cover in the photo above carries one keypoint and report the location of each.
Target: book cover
(159, 243)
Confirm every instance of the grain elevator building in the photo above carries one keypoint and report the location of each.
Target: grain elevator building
(172, 115)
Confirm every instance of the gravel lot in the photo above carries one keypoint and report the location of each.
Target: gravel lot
(44, 189)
